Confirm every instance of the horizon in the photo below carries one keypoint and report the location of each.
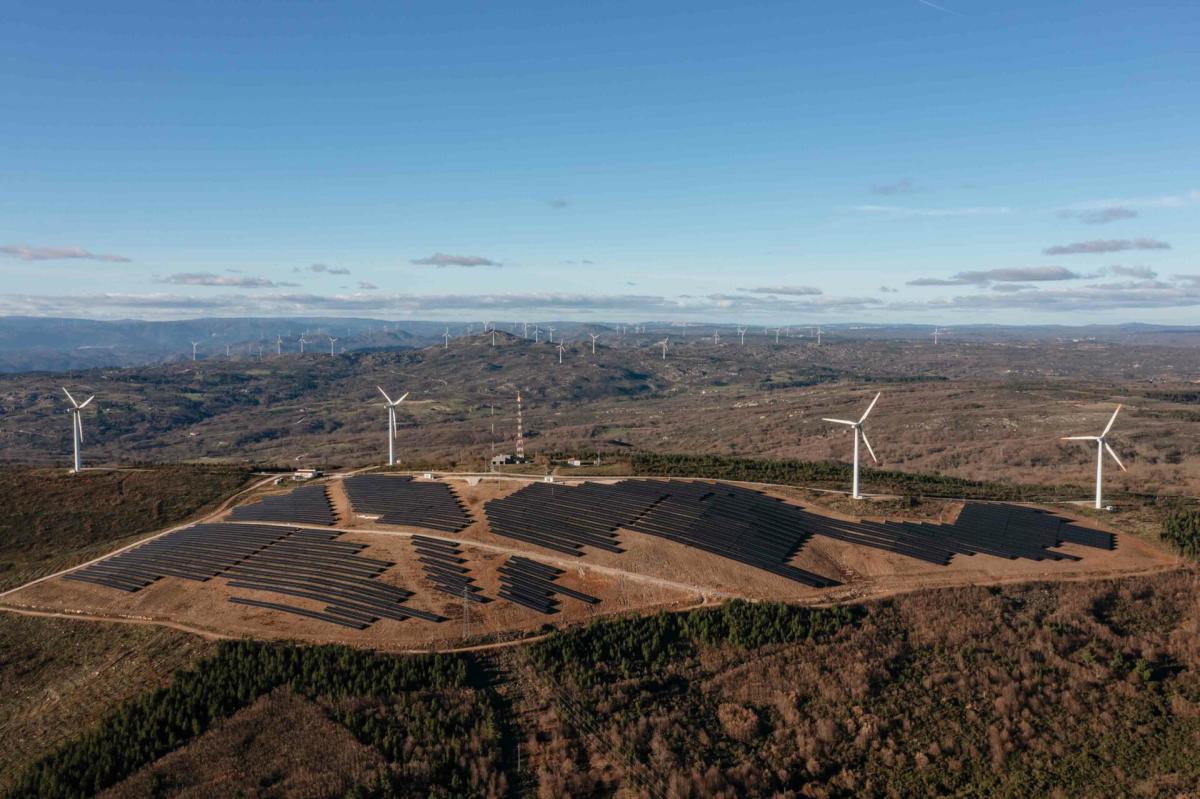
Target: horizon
(894, 163)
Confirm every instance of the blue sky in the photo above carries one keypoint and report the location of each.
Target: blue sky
(757, 162)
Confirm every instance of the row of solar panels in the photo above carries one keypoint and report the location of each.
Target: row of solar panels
(443, 562)
(532, 585)
(305, 505)
(402, 500)
(308, 564)
(749, 527)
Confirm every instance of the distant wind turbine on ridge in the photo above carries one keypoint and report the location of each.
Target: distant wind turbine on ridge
(663, 344)
(194, 345)
(562, 345)
(594, 337)
(331, 341)
(391, 409)
(859, 433)
(77, 427)
(1101, 446)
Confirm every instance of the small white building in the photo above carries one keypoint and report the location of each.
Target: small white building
(306, 474)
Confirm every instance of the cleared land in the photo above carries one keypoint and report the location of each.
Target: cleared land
(650, 572)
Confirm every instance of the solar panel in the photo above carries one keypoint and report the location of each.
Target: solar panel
(442, 563)
(402, 500)
(289, 561)
(305, 505)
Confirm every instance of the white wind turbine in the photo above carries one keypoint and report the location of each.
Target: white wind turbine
(859, 433)
(194, 345)
(551, 330)
(331, 340)
(716, 336)
(777, 331)
(446, 339)
(77, 426)
(663, 344)
(303, 341)
(391, 409)
(594, 337)
(1101, 445)
(279, 345)
(742, 335)
(818, 336)
(537, 331)
(937, 332)
(562, 345)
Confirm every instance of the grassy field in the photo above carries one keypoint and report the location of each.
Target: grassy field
(51, 519)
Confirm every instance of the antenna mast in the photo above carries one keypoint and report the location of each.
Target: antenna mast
(520, 433)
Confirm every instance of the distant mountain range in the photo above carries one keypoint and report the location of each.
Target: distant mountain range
(29, 344)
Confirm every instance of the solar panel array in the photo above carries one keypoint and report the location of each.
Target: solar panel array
(727, 520)
(750, 527)
(531, 584)
(296, 562)
(402, 500)
(305, 505)
(1002, 530)
(444, 569)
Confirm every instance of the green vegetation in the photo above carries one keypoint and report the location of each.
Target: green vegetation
(51, 519)
(1035, 690)
(613, 649)
(155, 724)
(60, 676)
(795, 472)
(1182, 530)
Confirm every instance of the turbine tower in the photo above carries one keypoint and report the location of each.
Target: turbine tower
(663, 344)
(937, 331)
(859, 433)
(1101, 446)
(520, 430)
(493, 336)
(77, 426)
(194, 345)
(303, 341)
(551, 330)
(446, 339)
(561, 346)
(391, 409)
(279, 345)
(716, 336)
(594, 337)
(742, 335)
(331, 340)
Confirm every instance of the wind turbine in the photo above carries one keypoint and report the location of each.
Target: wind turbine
(331, 340)
(594, 337)
(391, 409)
(663, 344)
(77, 426)
(303, 341)
(551, 331)
(859, 433)
(777, 334)
(742, 334)
(279, 345)
(818, 336)
(716, 336)
(562, 345)
(194, 345)
(937, 331)
(1101, 445)
(537, 331)
(446, 339)
(493, 336)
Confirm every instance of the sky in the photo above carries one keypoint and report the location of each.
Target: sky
(746, 162)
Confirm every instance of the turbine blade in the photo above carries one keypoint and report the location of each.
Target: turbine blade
(402, 396)
(86, 401)
(72, 399)
(1114, 456)
(384, 393)
(1110, 421)
(1080, 438)
(869, 408)
(840, 421)
(868, 443)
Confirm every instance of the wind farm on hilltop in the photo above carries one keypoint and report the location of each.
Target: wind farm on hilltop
(599, 401)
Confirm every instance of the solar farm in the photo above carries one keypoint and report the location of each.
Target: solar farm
(395, 561)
